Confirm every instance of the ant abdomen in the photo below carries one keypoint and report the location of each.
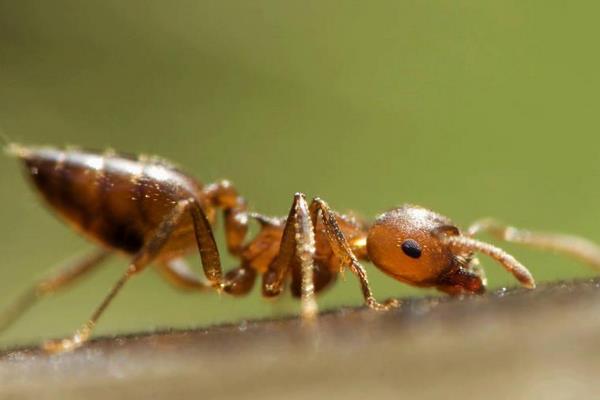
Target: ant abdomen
(116, 200)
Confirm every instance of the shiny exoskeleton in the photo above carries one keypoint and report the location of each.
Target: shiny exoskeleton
(157, 214)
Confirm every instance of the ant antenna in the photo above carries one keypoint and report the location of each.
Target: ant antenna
(508, 262)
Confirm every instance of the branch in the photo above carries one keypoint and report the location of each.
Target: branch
(508, 344)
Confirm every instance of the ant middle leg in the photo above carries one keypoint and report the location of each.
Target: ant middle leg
(577, 247)
(65, 276)
(342, 250)
(208, 254)
(324, 277)
(297, 249)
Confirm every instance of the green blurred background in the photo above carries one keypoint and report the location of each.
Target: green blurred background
(470, 108)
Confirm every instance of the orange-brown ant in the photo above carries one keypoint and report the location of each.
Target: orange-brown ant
(150, 210)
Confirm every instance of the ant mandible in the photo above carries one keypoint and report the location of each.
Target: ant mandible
(153, 212)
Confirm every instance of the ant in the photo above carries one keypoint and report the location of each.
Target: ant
(155, 213)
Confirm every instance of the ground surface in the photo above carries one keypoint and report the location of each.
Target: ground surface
(514, 344)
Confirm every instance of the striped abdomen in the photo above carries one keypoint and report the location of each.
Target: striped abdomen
(117, 200)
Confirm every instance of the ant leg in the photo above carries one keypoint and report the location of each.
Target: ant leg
(238, 281)
(223, 195)
(65, 276)
(178, 273)
(305, 251)
(577, 247)
(207, 246)
(144, 257)
(297, 245)
(342, 250)
(324, 277)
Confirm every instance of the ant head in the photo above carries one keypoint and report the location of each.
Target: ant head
(406, 243)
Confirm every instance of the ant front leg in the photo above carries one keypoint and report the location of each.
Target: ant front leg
(297, 246)
(342, 250)
(208, 253)
(577, 247)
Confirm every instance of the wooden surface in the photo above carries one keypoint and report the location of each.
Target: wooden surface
(518, 344)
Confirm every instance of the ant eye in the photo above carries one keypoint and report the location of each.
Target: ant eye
(411, 248)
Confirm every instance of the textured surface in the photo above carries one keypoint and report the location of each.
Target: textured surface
(510, 344)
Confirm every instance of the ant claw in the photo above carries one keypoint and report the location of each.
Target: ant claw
(392, 303)
(65, 345)
(59, 346)
(385, 306)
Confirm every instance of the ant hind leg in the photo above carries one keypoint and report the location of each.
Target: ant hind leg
(178, 273)
(208, 253)
(238, 281)
(68, 274)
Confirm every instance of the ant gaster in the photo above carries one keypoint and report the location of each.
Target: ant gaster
(155, 213)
